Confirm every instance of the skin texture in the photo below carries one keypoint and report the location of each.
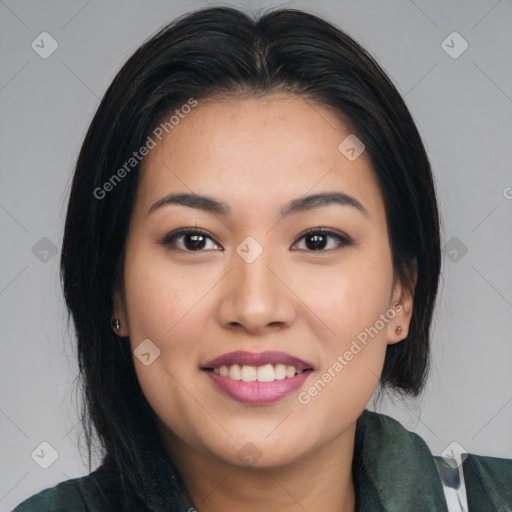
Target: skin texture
(256, 155)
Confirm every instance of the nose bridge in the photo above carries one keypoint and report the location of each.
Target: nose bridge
(253, 278)
(255, 297)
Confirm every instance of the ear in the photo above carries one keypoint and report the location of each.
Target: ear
(402, 303)
(120, 312)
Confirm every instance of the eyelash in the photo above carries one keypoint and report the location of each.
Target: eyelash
(342, 240)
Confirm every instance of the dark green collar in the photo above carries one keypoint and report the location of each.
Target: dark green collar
(393, 468)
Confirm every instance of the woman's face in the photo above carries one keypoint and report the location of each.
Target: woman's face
(252, 281)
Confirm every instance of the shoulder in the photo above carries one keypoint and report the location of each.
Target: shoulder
(488, 481)
(477, 482)
(67, 495)
(84, 494)
(497, 469)
(394, 468)
(377, 427)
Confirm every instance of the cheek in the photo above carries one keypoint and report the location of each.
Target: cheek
(353, 352)
(168, 305)
(348, 299)
(164, 305)
(158, 293)
(347, 306)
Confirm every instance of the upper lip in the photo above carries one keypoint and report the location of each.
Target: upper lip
(257, 359)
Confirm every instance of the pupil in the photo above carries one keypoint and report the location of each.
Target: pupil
(316, 238)
(198, 241)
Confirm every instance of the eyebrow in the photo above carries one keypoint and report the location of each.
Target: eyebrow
(301, 204)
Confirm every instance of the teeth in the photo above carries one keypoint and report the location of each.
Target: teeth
(265, 373)
(280, 371)
(249, 373)
(235, 372)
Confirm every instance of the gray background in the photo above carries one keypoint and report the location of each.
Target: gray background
(463, 107)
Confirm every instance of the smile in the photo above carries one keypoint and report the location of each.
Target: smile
(257, 378)
(265, 373)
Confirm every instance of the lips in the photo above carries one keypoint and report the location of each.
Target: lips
(257, 359)
(257, 378)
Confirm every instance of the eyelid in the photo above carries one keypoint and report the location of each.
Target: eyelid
(171, 237)
(342, 238)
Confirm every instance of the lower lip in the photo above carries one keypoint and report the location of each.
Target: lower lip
(258, 393)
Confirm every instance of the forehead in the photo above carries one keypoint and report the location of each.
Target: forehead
(257, 152)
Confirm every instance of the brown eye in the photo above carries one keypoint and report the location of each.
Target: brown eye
(190, 240)
(320, 239)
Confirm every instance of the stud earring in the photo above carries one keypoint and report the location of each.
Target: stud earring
(398, 329)
(116, 324)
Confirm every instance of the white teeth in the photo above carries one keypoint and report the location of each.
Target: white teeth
(280, 371)
(235, 372)
(265, 373)
(249, 373)
(290, 371)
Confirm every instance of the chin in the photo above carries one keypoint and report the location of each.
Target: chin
(260, 453)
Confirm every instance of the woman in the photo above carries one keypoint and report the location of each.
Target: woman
(251, 249)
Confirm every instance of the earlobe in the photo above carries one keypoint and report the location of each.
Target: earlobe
(119, 318)
(399, 325)
(402, 306)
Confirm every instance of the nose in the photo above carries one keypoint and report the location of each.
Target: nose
(255, 296)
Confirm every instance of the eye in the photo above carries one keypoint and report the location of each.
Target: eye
(190, 240)
(316, 239)
(196, 240)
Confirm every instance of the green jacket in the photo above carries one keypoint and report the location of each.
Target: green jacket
(394, 471)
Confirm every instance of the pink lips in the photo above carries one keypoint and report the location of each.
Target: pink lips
(258, 393)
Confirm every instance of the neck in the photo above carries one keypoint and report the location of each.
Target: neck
(317, 481)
